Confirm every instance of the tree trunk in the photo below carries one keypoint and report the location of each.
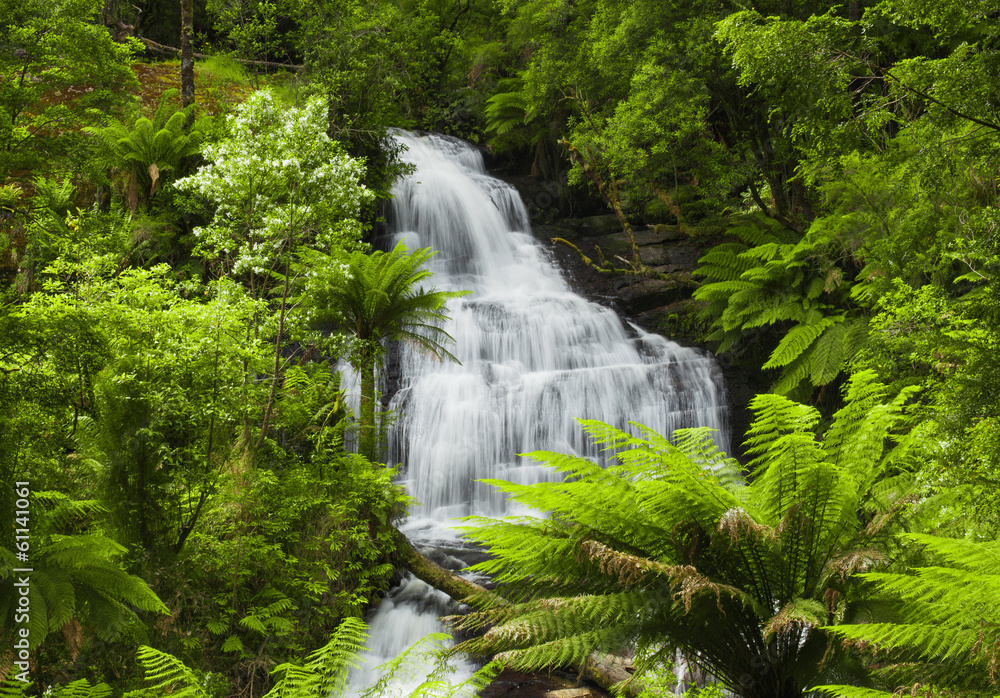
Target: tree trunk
(276, 368)
(187, 55)
(603, 669)
(437, 576)
(367, 433)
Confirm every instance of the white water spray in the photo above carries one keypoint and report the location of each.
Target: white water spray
(534, 357)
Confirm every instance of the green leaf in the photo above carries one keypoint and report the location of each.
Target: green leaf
(798, 340)
(828, 356)
(232, 644)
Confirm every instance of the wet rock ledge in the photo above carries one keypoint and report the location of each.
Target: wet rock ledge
(663, 306)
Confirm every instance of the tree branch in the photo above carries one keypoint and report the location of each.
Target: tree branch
(611, 196)
(951, 110)
(678, 279)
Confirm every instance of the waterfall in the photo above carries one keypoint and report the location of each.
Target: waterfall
(533, 357)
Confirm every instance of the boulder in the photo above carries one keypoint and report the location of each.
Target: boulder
(654, 235)
(639, 295)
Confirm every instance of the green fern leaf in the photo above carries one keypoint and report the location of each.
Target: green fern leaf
(82, 689)
(855, 336)
(232, 644)
(253, 622)
(722, 289)
(797, 341)
(506, 111)
(724, 262)
(856, 692)
(828, 356)
(325, 671)
(168, 675)
(12, 687)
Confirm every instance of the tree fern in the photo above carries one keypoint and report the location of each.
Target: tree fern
(946, 636)
(146, 153)
(76, 577)
(379, 298)
(770, 280)
(669, 547)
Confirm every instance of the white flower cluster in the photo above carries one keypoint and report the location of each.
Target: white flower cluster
(276, 182)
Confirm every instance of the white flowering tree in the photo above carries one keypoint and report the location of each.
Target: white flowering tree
(276, 181)
(277, 184)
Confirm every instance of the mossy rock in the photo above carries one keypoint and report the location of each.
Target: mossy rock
(680, 320)
(656, 211)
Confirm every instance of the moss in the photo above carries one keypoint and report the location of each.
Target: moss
(680, 321)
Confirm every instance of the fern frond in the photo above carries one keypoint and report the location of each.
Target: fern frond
(723, 289)
(793, 374)
(983, 558)
(861, 427)
(325, 671)
(855, 336)
(167, 675)
(82, 689)
(797, 612)
(402, 667)
(11, 687)
(949, 633)
(563, 651)
(724, 263)
(759, 231)
(858, 692)
(253, 622)
(797, 341)
(828, 356)
(506, 111)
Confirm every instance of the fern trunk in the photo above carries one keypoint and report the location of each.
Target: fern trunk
(367, 434)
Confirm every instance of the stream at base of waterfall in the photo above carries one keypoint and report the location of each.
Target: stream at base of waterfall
(534, 357)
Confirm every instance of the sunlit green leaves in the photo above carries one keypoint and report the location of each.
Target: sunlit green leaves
(276, 182)
(670, 546)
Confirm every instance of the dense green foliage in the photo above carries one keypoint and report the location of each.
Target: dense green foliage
(169, 283)
(944, 630)
(669, 547)
(60, 71)
(177, 425)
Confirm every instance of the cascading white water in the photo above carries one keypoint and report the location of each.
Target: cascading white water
(534, 357)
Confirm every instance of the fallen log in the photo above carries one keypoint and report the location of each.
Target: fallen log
(605, 670)
(171, 50)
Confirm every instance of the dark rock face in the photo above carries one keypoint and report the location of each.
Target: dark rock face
(554, 684)
(643, 295)
(666, 249)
